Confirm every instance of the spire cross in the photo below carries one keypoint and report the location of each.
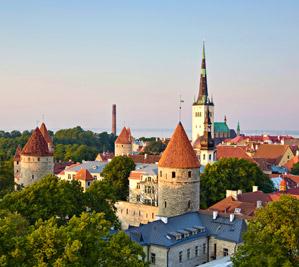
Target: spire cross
(180, 107)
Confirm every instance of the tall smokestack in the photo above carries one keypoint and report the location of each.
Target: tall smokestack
(114, 119)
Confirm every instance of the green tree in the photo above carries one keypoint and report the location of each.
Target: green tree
(155, 147)
(46, 198)
(295, 169)
(6, 177)
(272, 238)
(116, 174)
(230, 174)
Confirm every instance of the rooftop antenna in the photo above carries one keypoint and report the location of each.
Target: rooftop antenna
(180, 107)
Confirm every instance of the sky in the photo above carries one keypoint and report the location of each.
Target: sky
(67, 62)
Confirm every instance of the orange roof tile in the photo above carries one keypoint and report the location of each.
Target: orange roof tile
(84, 175)
(36, 145)
(179, 152)
(233, 152)
(289, 165)
(269, 151)
(45, 133)
(135, 175)
(124, 137)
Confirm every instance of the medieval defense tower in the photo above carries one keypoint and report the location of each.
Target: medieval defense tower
(178, 172)
(35, 160)
(202, 104)
(124, 143)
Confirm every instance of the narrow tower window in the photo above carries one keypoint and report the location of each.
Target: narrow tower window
(173, 174)
(189, 174)
(189, 204)
(165, 204)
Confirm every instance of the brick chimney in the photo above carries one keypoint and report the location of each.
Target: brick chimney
(114, 119)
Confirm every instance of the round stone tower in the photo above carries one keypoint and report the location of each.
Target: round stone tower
(36, 160)
(178, 176)
(124, 143)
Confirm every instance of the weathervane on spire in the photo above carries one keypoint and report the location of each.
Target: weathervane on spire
(180, 107)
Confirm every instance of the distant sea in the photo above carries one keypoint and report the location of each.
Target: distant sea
(168, 132)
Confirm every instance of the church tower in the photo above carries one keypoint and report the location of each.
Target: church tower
(178, 176)
(202, 104)
(204, 146)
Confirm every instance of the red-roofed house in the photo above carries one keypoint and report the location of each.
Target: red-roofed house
(239, 152)
(85, 178)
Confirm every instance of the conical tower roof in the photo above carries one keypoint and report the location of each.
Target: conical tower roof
(36, 145)
(17, 155)
(45, 133)
(124, 137)
(179, 153)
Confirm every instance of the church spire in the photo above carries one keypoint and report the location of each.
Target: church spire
(203, 85)
(238, 129)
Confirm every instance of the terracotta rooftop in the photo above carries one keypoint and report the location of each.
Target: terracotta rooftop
(233, 152)
(17, 155)
(84, 175)
(289, 165)
(45, 133)
(36, 145)
(124, 137)
(135, 175)
(179, 152)
(269, 151)
(148, 159)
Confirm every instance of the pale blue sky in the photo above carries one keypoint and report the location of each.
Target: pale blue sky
(71, 60)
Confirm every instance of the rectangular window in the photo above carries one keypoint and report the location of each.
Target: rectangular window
(160, 173)
(189, 174)
(32, 177)
(149, 179)
(210, 157)
(138, 186)
(225, 252)
(173, 174)
(188, 253)
(69, 176)
(204, 248)
(153, 258)
(181, 256)
(196, 251)
(138, 198)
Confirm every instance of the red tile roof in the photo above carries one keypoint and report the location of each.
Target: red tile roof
(147, 159)
(124, 137)
(269, 151)
(135, 175)
(233, 152)
(84, 175)
(45, 133)
(36, 145)
(17, 155)
(179, 152)
(289, 165)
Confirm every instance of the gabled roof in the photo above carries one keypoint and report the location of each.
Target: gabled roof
(124, 137)
(84, 175)
(162, 234)
(271, 151)
(238, 152)
(179, 152)
(289, 165)
(17, 155)
(45, 133)
(221, 127)
(36, 145)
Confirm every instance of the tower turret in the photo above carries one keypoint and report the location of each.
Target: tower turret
(178, 182)
(202, 103)
(124, 143)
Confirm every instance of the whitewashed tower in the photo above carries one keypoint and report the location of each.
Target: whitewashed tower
(202, 104)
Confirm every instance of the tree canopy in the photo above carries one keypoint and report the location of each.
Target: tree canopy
(230, 174)
(84, 240)
(272, 238)
(155, 147)
(52, 197)
(116, 174)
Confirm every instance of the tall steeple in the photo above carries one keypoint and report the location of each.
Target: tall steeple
(238, 129)
(203, 84)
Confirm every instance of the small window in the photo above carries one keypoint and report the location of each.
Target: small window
(210, 157)
(165, 204)
(225, 252)
(189, 204)
(204, 156)
(138, 186)
(204, 248)
(160, 173)
(32, 177)
(38, 159)
(149, 179)
(181, 256)
(127, 211)
(199, 114)
(138, 198)
(173, 174)
(88, 183)
(189, 174)
(188, 253)
(153, 258)
(196, 251)
(17, 163)
(153, 215)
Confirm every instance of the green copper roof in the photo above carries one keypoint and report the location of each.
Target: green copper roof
(221, 127)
